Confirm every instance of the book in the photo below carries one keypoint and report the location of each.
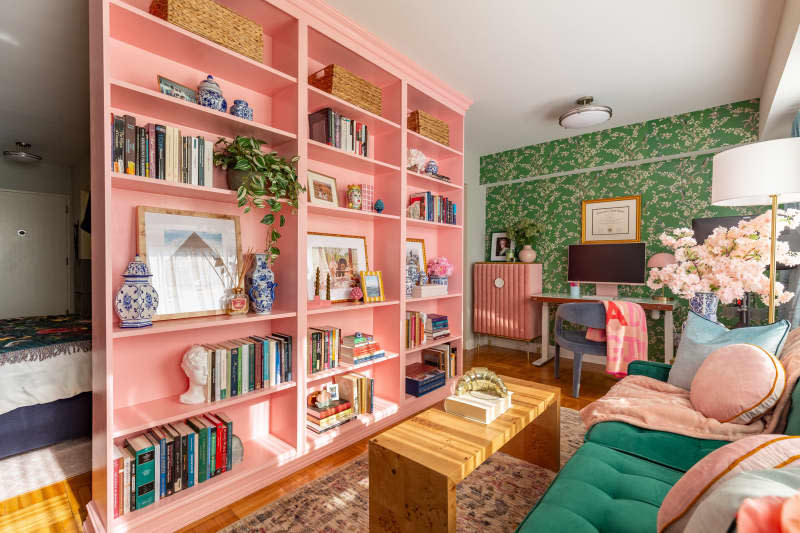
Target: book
(228, 448)
(317, 429)
(208, 165)
(160, 155)
(156, 465)
(200, 427)
(130, 144)
(151, 150)
(220, 439)
(482, 408)
(177, 458)
(118, 152)
(159, 434)
(201, 161)
(335, 407)
(144, 454)
(117, 467)
(329, 421)
(129, 469)
(193, 167)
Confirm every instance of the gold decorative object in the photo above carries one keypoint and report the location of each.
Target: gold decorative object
(481, 378)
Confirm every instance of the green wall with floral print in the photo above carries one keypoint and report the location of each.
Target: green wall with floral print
(673, 191)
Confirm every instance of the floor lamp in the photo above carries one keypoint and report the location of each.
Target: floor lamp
(764, 173)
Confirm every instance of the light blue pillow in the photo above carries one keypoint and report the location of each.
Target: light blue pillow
(702, 336)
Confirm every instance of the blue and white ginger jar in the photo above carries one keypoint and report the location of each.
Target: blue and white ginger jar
(209, 94)
(432, 167)
(242, 109)
(260, 285)
(136, 300)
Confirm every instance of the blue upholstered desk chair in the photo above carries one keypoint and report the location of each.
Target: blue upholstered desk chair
(590, 314)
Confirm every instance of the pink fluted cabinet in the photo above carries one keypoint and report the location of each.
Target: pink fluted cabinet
(502, 304)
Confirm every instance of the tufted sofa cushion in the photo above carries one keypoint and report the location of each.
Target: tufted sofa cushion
(602, 490)
(669, 449)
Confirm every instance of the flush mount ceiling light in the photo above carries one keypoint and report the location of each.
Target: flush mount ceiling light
(585, 115)
(22, 154)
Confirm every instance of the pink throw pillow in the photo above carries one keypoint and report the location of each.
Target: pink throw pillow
(760, 515)
(738, 383)
(757, 452)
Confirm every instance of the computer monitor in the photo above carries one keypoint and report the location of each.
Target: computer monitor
(607, 263)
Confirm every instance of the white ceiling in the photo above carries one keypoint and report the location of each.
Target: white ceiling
(524, 62)
(44, 78)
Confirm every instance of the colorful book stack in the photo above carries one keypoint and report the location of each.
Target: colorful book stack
(422, 378)
(358, 389)
(160, 152)
(360, 348)
(329, 127)
(431, 207)
(322, 419)
(442, 357)
(239, 366)
(436, 327)
(415, 328)
(167, 459)
(324, 348)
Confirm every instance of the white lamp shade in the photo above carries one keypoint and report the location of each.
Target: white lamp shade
(750, 174)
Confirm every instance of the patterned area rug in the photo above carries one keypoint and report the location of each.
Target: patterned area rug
(33, 470)
(495, 497)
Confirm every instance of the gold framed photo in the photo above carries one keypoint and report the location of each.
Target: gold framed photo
(611, 220)
(341, 257)
(372, 285)
(322, 190)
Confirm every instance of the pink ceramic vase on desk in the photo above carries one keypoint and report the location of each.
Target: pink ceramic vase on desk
(527, 254)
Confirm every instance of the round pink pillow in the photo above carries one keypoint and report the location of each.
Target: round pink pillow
(738, 383)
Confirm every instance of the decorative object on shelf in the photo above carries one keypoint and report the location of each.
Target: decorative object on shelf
(242, 109)
(611, 220)
(416, 160)
(480, 378)
(136, 300)
(574, 289)
(343, 84)
(237, 450)
(439, 269)
(510, 255)
(176, 90)
(431, 167)
(372, 286)
(354, 196)
(238, 301)
(195, 365)
(317, 301)
(367, 196)
(429, 126)
(214, 22)
(657, 261)
(209, 94)
(527, 254)
(379, 207)
(524, 231)
(427, 290)
(501, 244)
(730, 263)
(260, 283)
(333, 391)
(705, 304)
(340, 256)
(194, 258)
(356, 294)
(322, 190)
(328, 287)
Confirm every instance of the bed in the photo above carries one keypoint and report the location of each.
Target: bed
(45, 381)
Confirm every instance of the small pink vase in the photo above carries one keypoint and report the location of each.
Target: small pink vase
(527, 254)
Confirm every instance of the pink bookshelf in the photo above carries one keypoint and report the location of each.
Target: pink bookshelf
(136, 372)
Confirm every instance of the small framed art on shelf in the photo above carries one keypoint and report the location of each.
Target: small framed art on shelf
(372, 286)
(341, 257)
(322, 190)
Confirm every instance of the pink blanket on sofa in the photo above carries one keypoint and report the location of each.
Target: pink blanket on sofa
(652, 404)
(626, 335)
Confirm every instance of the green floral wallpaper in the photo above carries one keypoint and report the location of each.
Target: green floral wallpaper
(673, 191)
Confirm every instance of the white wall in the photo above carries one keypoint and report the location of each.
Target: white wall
(780, 97)
(474, 231)
(35, 177)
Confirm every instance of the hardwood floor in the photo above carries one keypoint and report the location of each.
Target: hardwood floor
(62, 507)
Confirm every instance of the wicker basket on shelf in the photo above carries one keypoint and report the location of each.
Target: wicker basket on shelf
(429, 126)
(340, 82)
(214, 22)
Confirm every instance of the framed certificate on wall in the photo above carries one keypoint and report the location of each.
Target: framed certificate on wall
(611, 220)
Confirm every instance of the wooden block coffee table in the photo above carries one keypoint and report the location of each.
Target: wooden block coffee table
(414, 466)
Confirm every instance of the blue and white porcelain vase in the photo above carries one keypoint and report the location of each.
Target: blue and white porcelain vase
(432, 167)
(210, 95)
(705, 304)
(242, 109)
(260, 285)
(136, 300)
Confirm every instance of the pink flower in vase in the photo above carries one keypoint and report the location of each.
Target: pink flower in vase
(440, 267)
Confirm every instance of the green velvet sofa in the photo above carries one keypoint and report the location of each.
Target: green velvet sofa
(616, 481)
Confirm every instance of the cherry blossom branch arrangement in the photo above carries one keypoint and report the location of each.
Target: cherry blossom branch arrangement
(731, 261)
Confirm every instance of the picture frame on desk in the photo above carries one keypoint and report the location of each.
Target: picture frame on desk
(611, 220)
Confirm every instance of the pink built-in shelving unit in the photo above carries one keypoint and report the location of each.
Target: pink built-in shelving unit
(136, 373)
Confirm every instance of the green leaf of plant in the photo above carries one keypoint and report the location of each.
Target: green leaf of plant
(283, 220)
(268, 219)
(275, 235)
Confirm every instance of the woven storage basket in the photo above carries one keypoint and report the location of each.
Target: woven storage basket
(215, 23)
(339, 82)
(429, 126)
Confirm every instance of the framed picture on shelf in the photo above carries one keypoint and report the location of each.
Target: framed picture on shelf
(322, 190)
(372, 286)
(193, 257)
(501, 243)
(415, 263)
(176, 90)
(611, 220)
(341, 256)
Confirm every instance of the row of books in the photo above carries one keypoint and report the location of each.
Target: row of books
(422, 378)
(360, 348)
(240, 366)
(160, 152)
(425, 327)
(442, 357)
(329, 127)
(431, 207)
(324, 348)
(168, 459)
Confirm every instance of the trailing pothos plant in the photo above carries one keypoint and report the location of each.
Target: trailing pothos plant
(268, 178)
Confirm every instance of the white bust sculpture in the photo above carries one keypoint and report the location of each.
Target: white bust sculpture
(195, 365)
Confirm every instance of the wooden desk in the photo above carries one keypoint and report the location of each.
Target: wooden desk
(648, 305)
(414, 467)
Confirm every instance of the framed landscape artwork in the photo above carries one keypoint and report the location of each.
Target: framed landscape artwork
(341, 256)
(322, 190)
(193, 257)
(176, 90)
(611, 220)
(372, 286)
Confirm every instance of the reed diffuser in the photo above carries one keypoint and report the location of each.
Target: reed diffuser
(238, 304)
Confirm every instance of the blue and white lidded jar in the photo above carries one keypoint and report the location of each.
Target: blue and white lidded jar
(209, 94)
(260, 285)
(432, 167)
(242, 109)
(136, 300)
